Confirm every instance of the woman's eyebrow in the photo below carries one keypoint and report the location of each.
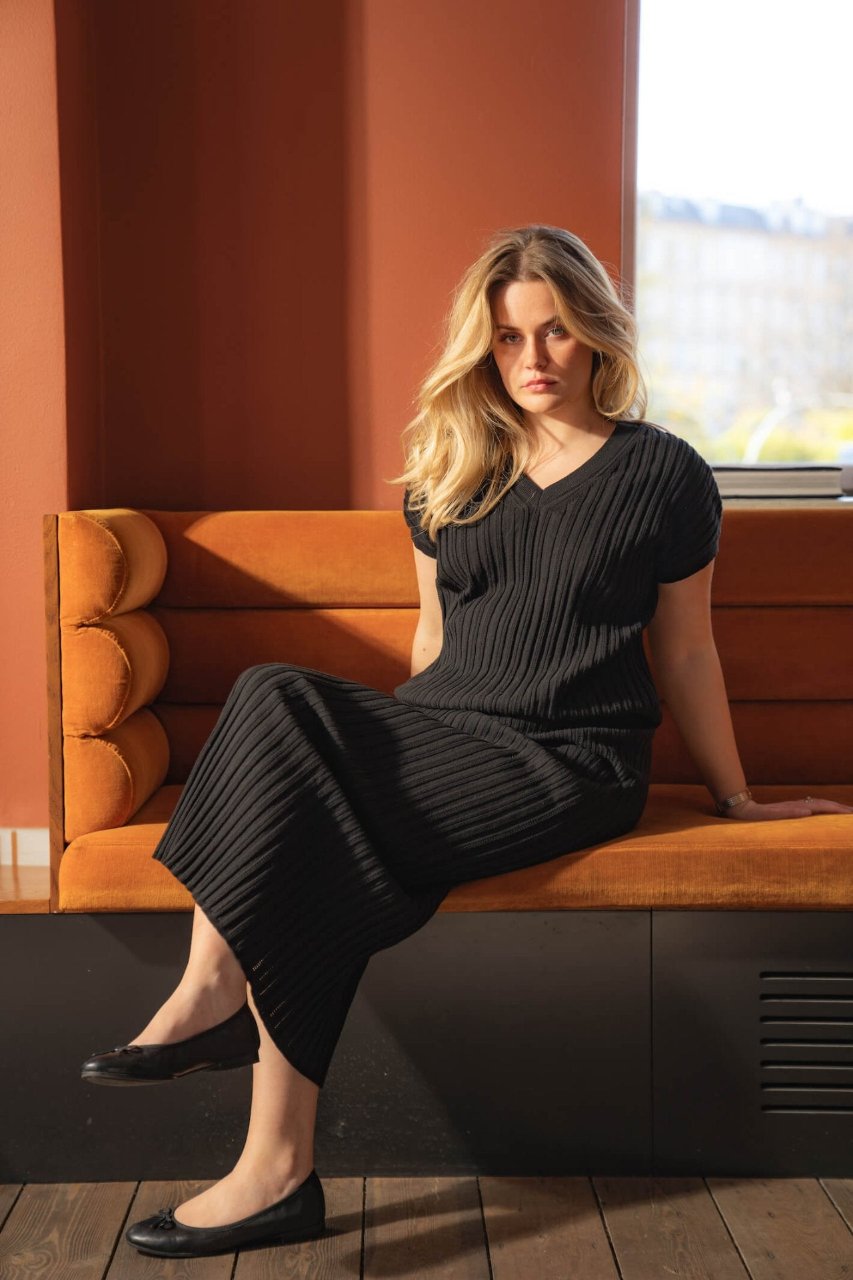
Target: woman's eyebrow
(512, 326)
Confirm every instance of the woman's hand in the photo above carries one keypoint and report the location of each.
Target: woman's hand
(752, 811)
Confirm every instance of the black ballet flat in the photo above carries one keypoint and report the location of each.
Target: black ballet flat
(232, 1043)
(298, 1216)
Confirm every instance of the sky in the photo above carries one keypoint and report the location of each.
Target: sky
(747, 101)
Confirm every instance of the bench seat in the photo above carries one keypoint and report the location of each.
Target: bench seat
(680, 855)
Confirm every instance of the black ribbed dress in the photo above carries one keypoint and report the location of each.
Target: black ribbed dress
(324, 820)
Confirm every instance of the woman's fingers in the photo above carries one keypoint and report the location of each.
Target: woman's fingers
(791, 809)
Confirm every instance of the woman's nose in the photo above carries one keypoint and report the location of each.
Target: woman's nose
(534, 351)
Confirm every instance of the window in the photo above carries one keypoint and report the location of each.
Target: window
(744, 254)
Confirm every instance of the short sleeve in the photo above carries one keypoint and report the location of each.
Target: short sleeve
(690, 530)
(420, 537)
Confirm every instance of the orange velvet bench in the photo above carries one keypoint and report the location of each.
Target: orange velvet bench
(159, 612)
(673, 1001)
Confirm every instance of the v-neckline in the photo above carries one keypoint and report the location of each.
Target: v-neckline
(621, 434)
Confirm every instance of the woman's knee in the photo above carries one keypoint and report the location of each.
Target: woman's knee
(269, 673)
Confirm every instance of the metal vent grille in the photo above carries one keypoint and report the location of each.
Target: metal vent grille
(806, 1041)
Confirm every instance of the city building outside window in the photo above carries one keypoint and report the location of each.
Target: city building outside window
(744, 235)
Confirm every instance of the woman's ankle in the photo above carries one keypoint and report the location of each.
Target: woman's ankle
(280, 1173)
(214, 989)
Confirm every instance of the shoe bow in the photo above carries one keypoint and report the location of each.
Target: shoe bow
(165, 1218)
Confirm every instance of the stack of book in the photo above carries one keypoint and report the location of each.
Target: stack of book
(784, 479)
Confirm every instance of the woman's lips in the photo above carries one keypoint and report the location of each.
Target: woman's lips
(538, 386)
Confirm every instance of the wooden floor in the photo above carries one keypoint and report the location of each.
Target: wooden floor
(467, 1228)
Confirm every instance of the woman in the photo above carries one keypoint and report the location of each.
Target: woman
(324, 820)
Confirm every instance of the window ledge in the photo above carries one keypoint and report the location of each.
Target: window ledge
(781, 500)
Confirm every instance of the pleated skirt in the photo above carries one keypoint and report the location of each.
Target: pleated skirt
(324, 820)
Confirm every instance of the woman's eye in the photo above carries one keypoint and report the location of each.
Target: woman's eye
(553, 329)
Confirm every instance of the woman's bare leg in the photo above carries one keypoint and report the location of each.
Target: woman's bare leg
(278, 1153)
(213, 986)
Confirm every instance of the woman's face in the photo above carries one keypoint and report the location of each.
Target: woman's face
(530, 343)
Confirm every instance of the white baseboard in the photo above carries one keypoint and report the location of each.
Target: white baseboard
(24, 847)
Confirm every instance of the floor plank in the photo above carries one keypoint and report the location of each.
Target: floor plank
(9, 1191)
(840, 1192)
(785, 1228)
(59, 1230)
(424, 1227)
(545, 1229)
(663, 1227)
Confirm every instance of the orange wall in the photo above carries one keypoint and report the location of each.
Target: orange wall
(264, 209)
(32, 392)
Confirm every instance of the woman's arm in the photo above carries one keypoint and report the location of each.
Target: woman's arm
(429, 636)
(689, 676)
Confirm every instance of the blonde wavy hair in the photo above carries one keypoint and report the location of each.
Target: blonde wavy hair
(467, 428)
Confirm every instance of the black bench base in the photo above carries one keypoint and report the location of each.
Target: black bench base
(669, 1043)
